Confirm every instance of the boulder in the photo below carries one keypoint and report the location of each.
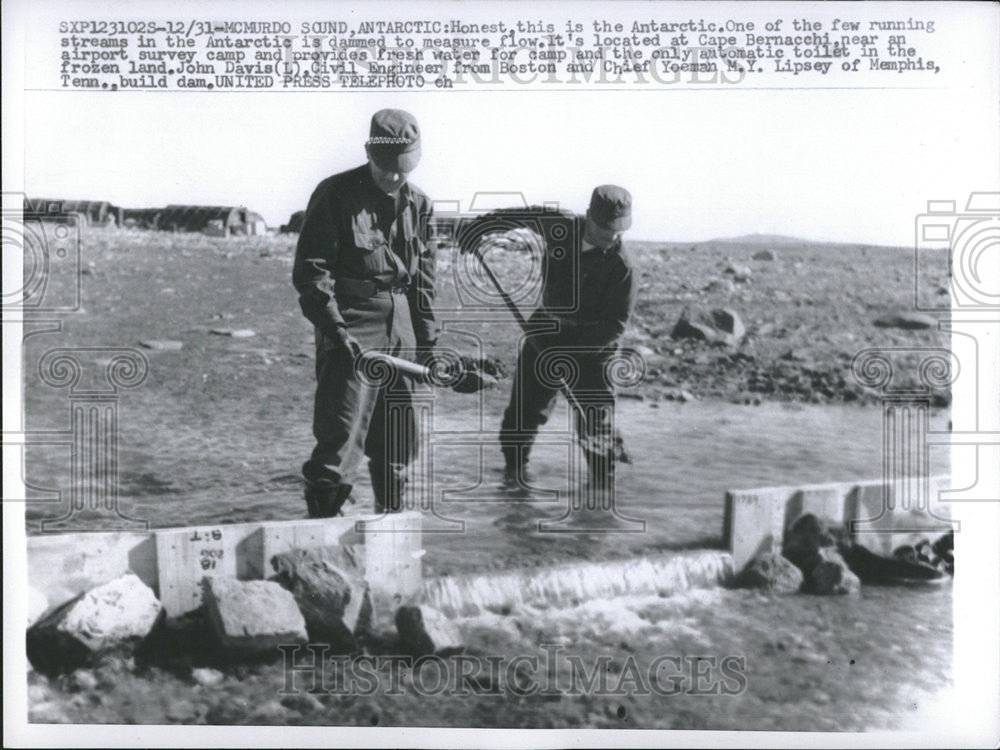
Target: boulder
(831, 576)
(726, 286)
(870, 567)
(238, 333)
(116, 615)
(770, 572)
(765, 255)
(161, 344)
(907, 320)
(252, 616)
(207, 677)
(717, 325)
(331, 593)
(424, 630)
(739, 273)
(809, 534)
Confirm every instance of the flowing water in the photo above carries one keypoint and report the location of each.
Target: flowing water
(879, 660)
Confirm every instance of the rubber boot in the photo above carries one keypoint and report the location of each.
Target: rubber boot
(387, 488)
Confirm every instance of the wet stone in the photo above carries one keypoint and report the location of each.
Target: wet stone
(770, 572)
(116, 615)
(831, 576)
(252, 616)
(331, 593)
(424, 630)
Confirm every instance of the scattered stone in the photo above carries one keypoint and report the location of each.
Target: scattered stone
(237, 333)
(807, 536)
(899, 569)
(37, 604)
(770, 572)
(739, 273)
(38, 693)
(424, 630)
(207, 677)
(331, 593)
(161, 345)
(118, 614)
(765, 255)
(271, 712)
(726, 286)
(717, 325)
(252, 616)
(304, 703)
(831, 576)
(83, 679)
(907, 320)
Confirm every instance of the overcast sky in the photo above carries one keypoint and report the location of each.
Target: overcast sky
(834, 165)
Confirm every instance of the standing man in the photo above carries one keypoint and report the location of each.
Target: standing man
(587, 298)
(365, 279)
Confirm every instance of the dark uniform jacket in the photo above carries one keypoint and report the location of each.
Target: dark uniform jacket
(356, 244)
(590, 293)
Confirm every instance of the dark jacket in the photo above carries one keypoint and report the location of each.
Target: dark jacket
(353, 232)
(590, 293)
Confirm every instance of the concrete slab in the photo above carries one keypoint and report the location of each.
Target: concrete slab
(756, 520)
(173, 561)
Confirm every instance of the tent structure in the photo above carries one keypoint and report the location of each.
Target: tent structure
(222, 220)
(294, 225)
(141, 218)
(95, 213)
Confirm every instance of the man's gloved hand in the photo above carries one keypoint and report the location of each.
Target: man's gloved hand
(348, 343)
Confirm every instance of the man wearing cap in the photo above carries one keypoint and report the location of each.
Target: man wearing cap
(365, 279)
(588, 291)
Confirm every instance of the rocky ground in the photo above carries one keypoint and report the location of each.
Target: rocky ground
(807, 308)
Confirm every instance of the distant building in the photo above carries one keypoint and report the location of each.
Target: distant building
(141, 218)
(294, 225)
(220, 220)
(92, 213)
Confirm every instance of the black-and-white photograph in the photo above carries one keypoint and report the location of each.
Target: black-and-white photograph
(403, 374)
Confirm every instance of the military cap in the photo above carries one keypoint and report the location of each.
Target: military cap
(611, 207)
(394, 140)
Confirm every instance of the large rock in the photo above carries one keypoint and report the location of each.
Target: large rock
(116, 615)
(807, 535)
(870, 567)
(425, 630)
(907, 320)
(770, 572)
(168, 345)
(765, 255)
(331, 593)
(252, 616)
(715, 326)
(831, 576)
(738, 272)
